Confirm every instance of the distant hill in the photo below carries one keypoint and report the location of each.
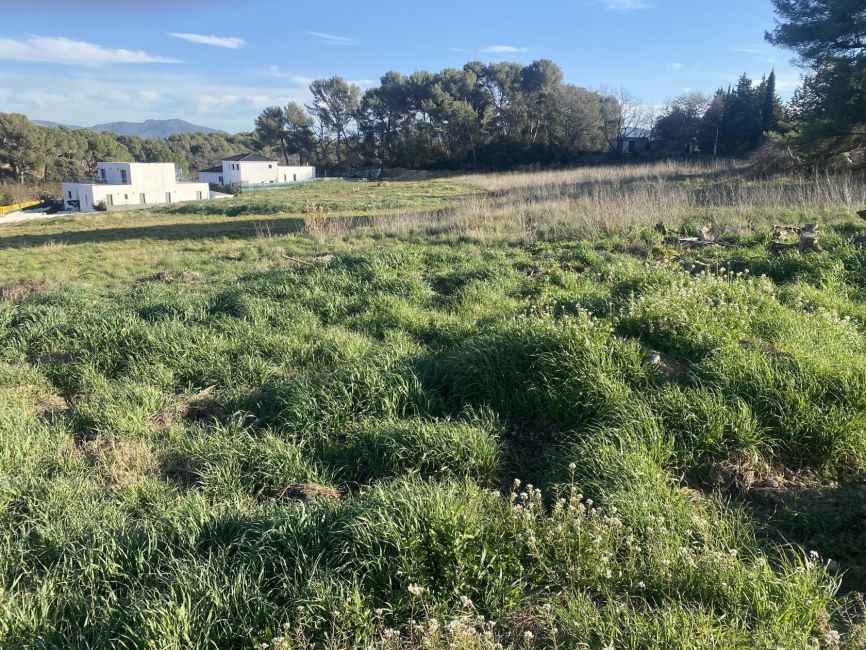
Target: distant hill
(146, 129)
(54, 125)
(151, 128)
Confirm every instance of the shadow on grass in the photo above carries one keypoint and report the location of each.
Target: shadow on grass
(231, 229)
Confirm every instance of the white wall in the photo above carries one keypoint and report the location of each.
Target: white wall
(149, 184)
(216, 178)
(257, 173)
(287, 174)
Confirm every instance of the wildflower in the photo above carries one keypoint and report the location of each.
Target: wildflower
(416, 590)
(546, 608)
(832, 638)
(516, 483)
(466, 601)
(528, 636)
(572, 466)
(379, 612)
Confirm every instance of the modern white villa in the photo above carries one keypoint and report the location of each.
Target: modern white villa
(254, 169)
(124, 185)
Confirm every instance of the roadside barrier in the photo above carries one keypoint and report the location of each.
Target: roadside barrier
(6, 209)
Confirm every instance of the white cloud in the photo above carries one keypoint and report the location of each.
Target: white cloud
(331, 39)
(278, 73)
(788, 82)
(86, 99)
(626, 5)
(65, 51)
(229, 42)
(675, 66)
(751, 49)
(503, 49)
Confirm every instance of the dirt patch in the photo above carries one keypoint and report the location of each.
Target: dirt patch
(16, 292)
(49, 406)
(120, 462)
(192, 407)
(308, 491)
(817, 513)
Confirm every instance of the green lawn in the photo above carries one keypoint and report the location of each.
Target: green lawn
(425, 439)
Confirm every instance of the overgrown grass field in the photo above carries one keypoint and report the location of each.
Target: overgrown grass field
(465, 420)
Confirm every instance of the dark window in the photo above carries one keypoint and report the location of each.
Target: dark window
(122, 175)
(126, 197)
(70, 194)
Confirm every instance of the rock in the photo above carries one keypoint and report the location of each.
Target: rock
(862, 214)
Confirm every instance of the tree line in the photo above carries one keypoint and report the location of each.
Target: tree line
(506, 114)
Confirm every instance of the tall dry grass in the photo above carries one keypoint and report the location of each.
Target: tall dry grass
(592, 201)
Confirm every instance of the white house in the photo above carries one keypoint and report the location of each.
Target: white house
(127, 184)
(253, 169)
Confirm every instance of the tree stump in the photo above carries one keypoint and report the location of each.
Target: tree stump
(809, 239)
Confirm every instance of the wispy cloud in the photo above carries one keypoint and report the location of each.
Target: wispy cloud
(332, 39)
(751, 49)
(503, 49)
(229, 42)
(675, 66)
(65, 51)
(278, 73)
(626, 5)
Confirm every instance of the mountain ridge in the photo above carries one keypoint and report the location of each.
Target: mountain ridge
(146, 129)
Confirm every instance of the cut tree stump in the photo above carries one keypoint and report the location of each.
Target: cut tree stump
(808, 239)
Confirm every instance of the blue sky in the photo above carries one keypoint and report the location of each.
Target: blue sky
(219, 62)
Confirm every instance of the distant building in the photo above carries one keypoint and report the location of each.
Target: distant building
(253, 169)
(124, 185)
(632, 140)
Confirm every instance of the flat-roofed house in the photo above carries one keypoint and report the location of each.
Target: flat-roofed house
(255, 169)
(122, 185)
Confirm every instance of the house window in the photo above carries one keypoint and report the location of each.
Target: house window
(122, 175)
(126, 197)
(198, 196)
(221, 180)
(141, 199)
(168, 197)
(270, 166)
(102, 173)
(70, 194)
(294, 177)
